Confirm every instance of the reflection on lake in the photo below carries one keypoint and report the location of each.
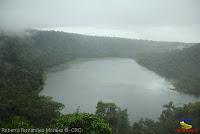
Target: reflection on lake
(117, 80)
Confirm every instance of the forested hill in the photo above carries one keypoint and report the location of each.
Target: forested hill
(168, 59)
(50, 48)
(60, 46)
(24, 59)
(182, 67)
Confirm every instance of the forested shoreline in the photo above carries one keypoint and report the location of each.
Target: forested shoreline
(24, 60)
(180, 67)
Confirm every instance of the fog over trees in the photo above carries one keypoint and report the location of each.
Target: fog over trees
(37, 36)
(171, 20)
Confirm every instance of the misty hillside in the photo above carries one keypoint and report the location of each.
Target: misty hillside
(100, 66)
(181, 67)
(165, 58)
(60, 46)
(24, 60)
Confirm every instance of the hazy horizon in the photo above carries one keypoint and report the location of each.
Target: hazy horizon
(160, 20)
(139, 34)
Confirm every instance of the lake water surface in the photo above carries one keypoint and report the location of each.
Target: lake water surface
(117, 80)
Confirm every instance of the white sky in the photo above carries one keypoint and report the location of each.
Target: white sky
(166, 20)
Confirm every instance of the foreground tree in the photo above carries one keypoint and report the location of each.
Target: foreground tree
(117, 118)
(21, 80)
(82, 123)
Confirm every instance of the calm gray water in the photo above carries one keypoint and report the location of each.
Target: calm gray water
(117, 80)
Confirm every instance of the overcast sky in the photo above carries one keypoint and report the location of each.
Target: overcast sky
(170, 20)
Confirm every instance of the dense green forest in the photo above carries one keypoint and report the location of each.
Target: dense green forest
(57, 47)
(165, 58)
(21, 80)
(25, 59)
(181, 67)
